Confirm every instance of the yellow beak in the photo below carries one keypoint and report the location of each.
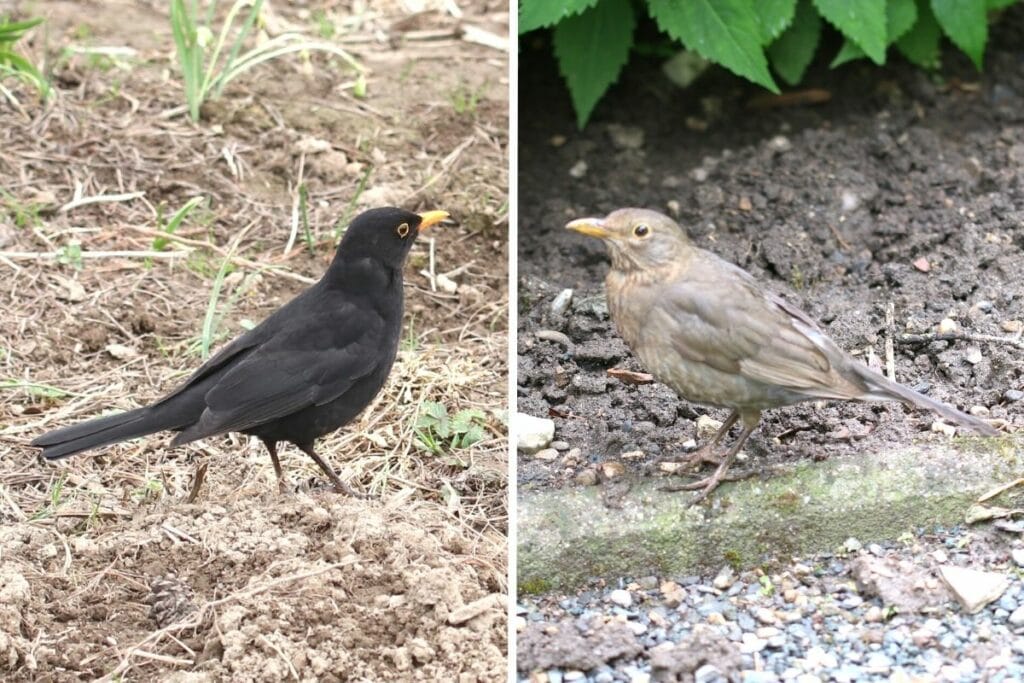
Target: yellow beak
(591, 227)
(428, 218)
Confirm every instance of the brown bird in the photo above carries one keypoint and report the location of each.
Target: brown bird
(713, 334)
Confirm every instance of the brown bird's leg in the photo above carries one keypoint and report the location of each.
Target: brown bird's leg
(709, 484)
(706, 453)
(339, 485)
(272, 449)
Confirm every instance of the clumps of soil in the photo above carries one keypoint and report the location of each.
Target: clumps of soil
(895, 209)
(581, 644)
(319, 587)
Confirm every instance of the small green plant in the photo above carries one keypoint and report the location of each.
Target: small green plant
(171, 226)
(207, 69)
(342, 224)
(71, 254)
(440, 434)
(592, 39)
(465, 99)
(15, 65)
(56, 492)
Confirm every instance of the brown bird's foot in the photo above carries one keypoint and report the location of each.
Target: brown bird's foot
(707, 454)
(709, 484)
(339, 485)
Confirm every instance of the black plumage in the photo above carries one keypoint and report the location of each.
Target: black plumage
(308, 369)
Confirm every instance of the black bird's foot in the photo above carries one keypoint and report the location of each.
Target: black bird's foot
(339, 485)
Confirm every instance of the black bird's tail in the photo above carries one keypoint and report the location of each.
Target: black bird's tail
(103, 431)
(882, 389)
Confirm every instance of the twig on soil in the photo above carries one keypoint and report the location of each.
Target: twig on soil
(890, 355)
(99, 198)
(958, 336)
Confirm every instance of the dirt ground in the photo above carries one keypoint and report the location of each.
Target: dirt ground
(108, 565)
(904, 190)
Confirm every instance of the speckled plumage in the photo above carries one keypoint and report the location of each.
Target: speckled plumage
(708, 330)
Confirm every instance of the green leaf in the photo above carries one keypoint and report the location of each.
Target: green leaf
(966, 24)
(464, 419)
(900, 16)
(473, 435)
(1000, 4)
(792, 53)
(920, 45)
(862, 21)
(724, 31)
(591, 49)
(774, 16)
(534, 14)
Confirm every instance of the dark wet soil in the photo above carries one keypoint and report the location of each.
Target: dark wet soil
(905, 190)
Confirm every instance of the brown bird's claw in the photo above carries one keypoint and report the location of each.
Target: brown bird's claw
(706, 485)
(704, 454)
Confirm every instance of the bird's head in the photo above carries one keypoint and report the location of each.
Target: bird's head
(637, 239)
(385, 234)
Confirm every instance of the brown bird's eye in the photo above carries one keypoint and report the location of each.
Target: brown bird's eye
(403, 230)
(641, 230)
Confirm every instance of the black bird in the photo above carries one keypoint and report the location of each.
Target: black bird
(308, 369)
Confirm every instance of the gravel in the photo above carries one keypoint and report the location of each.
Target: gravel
(806, 620)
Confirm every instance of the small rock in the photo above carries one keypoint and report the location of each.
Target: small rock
(766, 616)
(699, 174)
(707, 426)
(922, 264)
(851, 545)
(974, 589)
(744, 204)
(947, 326)
(818, 658)
(620, 597)
(709, 673)
(579, 169)
(1013, 395)
(1012, 326)
(611, 469)
(546, 454)
(874, 614)
(587, 477)
(973, 355)
(560, 304)
(672, 593)
(626, 137)
(849, 201)
(632, 455)
(943, 428)
(751, 644)
(1018, 556)
(1017, 618)
(726, 577)
(559, 445)
(780, 143)
(533, 433)
(767, 632)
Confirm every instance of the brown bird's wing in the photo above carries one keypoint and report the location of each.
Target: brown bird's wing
(743, 330)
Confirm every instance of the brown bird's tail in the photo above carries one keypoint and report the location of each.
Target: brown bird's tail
(882, 389)
(103, 431)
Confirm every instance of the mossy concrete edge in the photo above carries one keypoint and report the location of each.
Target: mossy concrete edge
(568, 536)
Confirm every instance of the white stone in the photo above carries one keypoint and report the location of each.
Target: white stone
(974, 589)
(533, 433)
(622, 598)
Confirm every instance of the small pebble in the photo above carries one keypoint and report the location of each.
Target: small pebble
(546, 454)
(559, 445)
(620, 597)
(561, 303)
(579, 169)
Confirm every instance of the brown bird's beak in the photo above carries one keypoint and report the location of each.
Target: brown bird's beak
(428, 218)
(592, 227)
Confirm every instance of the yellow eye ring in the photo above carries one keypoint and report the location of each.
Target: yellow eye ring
(403, 230)
(641, 230)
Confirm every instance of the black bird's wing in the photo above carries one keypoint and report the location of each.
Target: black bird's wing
(292, 371)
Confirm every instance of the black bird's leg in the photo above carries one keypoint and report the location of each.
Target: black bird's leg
(272, 449)
(339, 485)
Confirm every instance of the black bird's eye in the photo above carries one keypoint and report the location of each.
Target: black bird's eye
(403, 230)
(641, 230)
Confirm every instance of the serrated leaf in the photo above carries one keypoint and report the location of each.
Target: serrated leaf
(792, 53)
(966, 24)
(591, 49)
(473, 435)
(463, 419)
(900, 15)
(774, 16)
(920, 44)
(534, 14)
(725, 31)
(863, 22)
